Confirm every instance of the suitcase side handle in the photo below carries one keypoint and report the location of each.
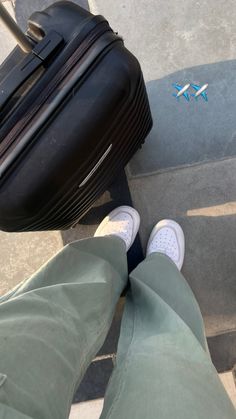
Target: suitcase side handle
(22, 40)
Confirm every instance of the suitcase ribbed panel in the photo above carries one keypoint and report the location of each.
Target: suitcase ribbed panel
(126, 137)
(137, 112)
(80, 206)
(82, 202)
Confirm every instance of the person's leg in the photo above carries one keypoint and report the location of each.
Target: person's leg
(53, 325)
(163, 368)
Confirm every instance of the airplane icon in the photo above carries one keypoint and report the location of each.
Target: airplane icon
(200, 91)
(182, 91)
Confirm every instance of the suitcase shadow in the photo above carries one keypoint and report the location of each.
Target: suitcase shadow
(117, 194)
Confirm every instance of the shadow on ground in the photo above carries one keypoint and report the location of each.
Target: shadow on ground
(186, 133)
(117, 194)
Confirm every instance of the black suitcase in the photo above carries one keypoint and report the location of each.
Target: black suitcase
(73, 111)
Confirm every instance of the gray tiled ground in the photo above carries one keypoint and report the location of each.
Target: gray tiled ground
(22, 254)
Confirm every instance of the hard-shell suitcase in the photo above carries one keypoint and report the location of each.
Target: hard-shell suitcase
(73, 111)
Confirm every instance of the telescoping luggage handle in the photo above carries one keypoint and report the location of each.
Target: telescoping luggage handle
(37, 55)
(23, 41)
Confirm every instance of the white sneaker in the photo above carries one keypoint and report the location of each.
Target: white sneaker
(123, 222)
(167, 237)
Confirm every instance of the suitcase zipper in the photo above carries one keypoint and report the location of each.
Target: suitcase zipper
(86, 44)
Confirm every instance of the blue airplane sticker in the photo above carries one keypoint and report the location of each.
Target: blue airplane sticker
(182, 91)
(200, 91)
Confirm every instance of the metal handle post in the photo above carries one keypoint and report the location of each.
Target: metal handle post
(21, 38)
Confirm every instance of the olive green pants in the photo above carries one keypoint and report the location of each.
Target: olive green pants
(52, 326)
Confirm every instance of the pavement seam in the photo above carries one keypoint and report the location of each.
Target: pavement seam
(176, 168)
